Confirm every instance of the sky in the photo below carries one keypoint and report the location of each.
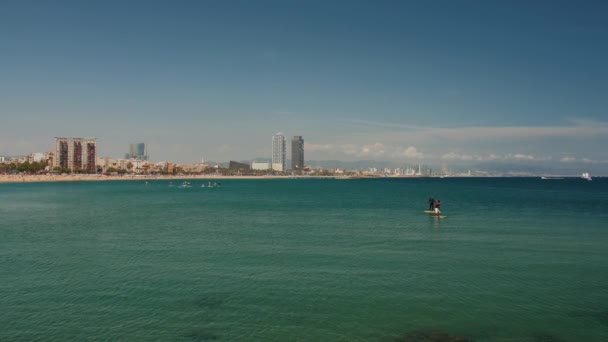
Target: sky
(458, 82)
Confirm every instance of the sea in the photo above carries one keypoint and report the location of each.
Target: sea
(515, 259)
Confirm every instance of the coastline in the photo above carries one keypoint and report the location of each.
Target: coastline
(98, 178)
(6, 179)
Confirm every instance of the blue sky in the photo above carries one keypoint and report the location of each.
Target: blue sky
(430, 81)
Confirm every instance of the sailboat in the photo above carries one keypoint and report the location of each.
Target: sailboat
(586, 176)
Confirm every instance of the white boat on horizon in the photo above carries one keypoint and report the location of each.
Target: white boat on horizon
(586, 176)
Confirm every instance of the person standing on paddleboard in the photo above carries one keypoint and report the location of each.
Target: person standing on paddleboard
(437, 205)
(431, 203)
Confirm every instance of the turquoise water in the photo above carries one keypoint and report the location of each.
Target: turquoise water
(304, 260)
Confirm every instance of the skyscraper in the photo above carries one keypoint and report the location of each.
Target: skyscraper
(278, 152)
(138, 151)
(297, 153)
(76, 154)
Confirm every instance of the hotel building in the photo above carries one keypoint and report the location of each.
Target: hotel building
(297, 153)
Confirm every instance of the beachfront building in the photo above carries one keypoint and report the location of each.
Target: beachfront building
(234, 165)
(194, 168)
(257, 165)
(35, 157)
(278, 152)
(137, 151)
(132, 165)
(106, 163)
(76, 154)
(297, 153)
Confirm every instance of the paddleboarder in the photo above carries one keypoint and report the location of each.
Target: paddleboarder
(431, 203)
(437, 205)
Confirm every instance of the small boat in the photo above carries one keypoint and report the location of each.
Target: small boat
(586, 176)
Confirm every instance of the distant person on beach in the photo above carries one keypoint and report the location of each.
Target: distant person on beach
(437, 205)
(431, 203)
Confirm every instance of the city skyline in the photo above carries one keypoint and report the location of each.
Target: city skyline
(465, 83)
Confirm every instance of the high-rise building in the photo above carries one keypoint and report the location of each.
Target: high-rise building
(138, 151)
(297, 153)
(444, 169)
(76, 154)
(278, 152)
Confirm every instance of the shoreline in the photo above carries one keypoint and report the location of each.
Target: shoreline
(101, 178)
(7, 179)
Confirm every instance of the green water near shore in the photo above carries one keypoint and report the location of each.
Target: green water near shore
(309, 260)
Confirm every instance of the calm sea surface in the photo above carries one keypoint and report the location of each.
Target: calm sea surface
(304, 260)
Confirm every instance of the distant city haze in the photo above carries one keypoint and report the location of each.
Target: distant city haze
(475, 84)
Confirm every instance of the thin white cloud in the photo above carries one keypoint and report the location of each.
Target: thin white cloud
(317, 147)
(453, 156)
(373, 150)
(580, 160)
(456, 156)
(520, 156)
(412, 152)
(413, 133)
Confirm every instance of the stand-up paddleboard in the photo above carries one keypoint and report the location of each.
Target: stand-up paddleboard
(432, 212)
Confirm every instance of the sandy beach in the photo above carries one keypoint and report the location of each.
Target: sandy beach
(86, 178)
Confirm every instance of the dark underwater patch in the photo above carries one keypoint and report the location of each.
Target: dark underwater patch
(545, 337)
(209, 301)
(201, 336)
(600, 316)
(431, 335)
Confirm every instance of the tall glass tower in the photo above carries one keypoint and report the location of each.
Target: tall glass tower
(138, 151)
(297, 153)
(278, 152)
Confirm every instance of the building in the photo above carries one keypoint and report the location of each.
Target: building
(35, 157)
(424, 170)
(106, 163)
(194, 168)
(278, 152)
(234, 165)
(132, 165)
(297, 153)
(137, 151)
(256, 165)
(76, 154)
(444, 169)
